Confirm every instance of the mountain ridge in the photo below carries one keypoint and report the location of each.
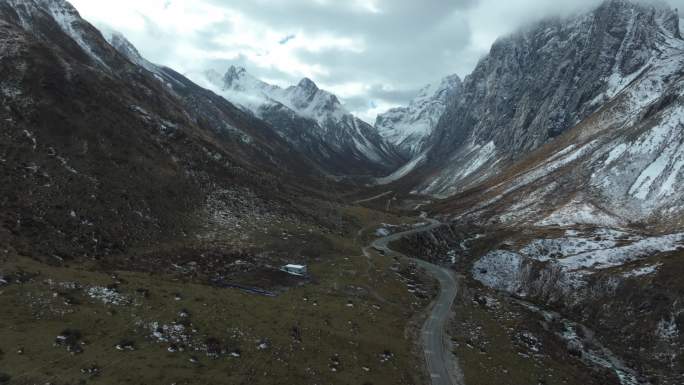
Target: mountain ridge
(101, 154)
(313, 120)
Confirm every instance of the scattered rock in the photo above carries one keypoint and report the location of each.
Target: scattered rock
(107, 295)
(126, 345)
(263, 345)
(386, 356)
(335, 363)
(92, 370)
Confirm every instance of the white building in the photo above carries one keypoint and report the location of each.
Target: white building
(298, 270)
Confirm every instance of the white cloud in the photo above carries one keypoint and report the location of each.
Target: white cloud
(354, 48)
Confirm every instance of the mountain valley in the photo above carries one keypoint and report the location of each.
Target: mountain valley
(148, 216)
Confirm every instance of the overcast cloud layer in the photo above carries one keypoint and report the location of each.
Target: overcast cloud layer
(374, 54)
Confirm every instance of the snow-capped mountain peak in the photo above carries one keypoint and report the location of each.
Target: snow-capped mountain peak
(233, 75)
(306, 110)
(238, 79)
(307, 85)
(312, 102)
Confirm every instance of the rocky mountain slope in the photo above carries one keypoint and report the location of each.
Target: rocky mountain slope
(541, 82)
(408, 128)
(621, 163)
(313, 121)
(101, 153)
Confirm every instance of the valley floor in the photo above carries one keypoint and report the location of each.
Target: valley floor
(365, 315)
(354, 321)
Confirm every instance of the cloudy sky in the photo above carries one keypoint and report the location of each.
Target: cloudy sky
(374, 54)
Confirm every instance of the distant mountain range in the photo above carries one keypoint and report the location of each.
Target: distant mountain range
(312, 120)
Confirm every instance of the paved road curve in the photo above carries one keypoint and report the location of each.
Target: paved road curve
(441, 364)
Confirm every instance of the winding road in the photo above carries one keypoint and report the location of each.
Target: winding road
(386, 193)
(441, 364)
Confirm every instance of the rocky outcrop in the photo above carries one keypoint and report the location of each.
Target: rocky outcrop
(621, 285)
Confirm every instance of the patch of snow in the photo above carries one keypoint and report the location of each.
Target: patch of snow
(569, 155)
(482, 155)
(616, 153)
(549, 249)
(603, 259)
(642, 271)
(382, 232)
(579, 212)
(499, 270)
(107, 296)
(65, 164)
(570, 259)
(659, 140)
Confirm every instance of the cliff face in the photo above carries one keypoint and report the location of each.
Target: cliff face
(540, 82)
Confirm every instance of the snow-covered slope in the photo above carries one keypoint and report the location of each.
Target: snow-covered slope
(409, 127)
(540, 82)
(45, 17)
(544, 136)
(312, 120)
